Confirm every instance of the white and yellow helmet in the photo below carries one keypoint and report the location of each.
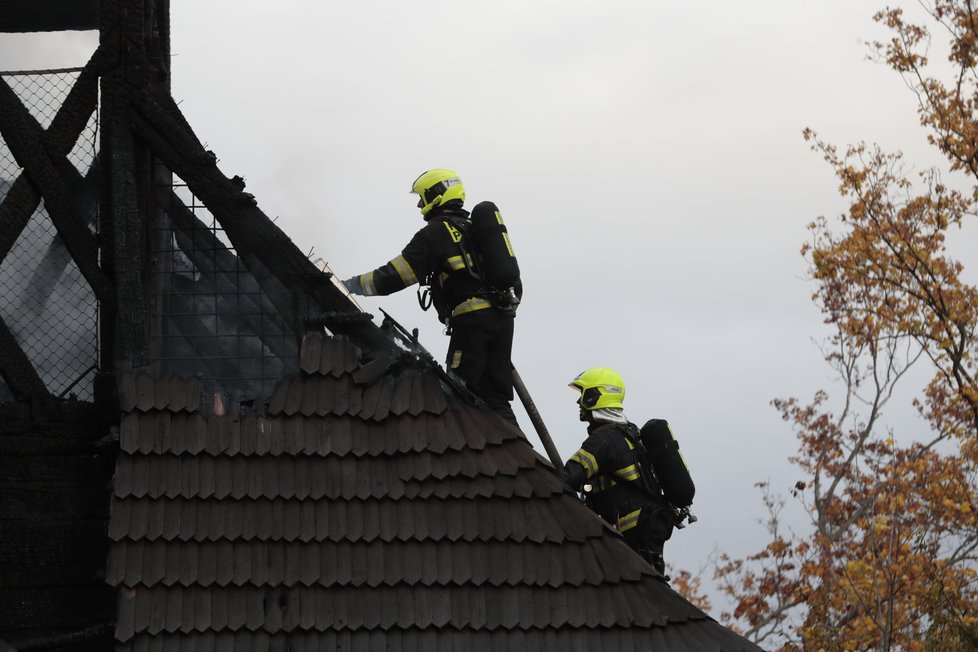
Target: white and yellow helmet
(600, 387)
(436, 187)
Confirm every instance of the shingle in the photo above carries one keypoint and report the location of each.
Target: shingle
(161, 393)
(248, 434)
(293, 400)
(145, 392)
(351, 354)
(194, 389)
(188, 522)
(127, 392)
(310, 353)
(194, 428)
(339, 437)
(368, 404)
(129, 439)
(316, 395)
(197, 477)
(384, 399)
(435, 401)
(175, 572)
(401, 393)
(589, 568)
(154, 563)
(119, 520)
(263, 437)
(220, 480)
(187, 610)
(176, 391)
(271, 470)
(202, 609)
(216, 436)
(470, 429)
(291, 510)
(337, 364)
(276, 404)
(354, 403)
(157, 613)
(174, 611)
(416, 400)
(219, 610)
(370, 372)
(342, 391)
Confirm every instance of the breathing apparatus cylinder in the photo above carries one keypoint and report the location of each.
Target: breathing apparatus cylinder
(667, 462)
(489, 237)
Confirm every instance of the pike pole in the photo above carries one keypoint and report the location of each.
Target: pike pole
(541, 428)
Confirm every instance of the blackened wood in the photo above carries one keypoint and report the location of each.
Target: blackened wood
(48, 15)
(58, 139)
(16, 368)
(22, 134)
(131, 345)
(370, 372)
(160, 123)
(48, 551)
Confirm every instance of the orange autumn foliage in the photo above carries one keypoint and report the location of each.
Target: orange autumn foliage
(890, 561)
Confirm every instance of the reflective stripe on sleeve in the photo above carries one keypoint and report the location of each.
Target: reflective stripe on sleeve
(367, 282)
(629, 473)
(404, 270)
(628, 521)
(586, 460)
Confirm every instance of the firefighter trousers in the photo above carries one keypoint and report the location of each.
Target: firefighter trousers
(479, 352)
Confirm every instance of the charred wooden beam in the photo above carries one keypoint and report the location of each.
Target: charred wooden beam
(48, 15)
(58, 139)
(137, 31)
(23, 136)
(159, 121)
(17, 370)
(131, 345)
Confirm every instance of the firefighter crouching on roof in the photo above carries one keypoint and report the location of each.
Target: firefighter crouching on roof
(622, 491)
(480, 348)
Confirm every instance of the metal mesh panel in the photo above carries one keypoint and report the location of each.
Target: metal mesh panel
(213, 319)
(46, 302)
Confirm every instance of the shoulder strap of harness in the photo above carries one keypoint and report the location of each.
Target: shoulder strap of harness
(649, 482)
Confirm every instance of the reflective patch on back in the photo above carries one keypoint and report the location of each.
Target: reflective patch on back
(454, 233)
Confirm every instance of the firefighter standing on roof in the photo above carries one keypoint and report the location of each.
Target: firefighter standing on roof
(480, 348)
(622, 491)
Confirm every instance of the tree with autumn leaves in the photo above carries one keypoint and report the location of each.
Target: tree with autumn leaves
(891, 558)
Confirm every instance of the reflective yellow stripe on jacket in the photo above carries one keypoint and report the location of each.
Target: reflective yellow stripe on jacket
(455, 263)
(471, 305)
(629, 520)
(404, 270)
(367, 283)
(629, 473)
(586, 460)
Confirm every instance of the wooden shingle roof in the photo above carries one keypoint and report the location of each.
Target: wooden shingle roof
(365, 509)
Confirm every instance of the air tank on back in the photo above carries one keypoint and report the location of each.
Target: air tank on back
(667, 462)
(489, 237)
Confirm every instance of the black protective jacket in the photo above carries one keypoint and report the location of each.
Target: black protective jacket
(609, 461)
(434, 257)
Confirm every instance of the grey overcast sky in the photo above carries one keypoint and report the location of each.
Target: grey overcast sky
(646, 156)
